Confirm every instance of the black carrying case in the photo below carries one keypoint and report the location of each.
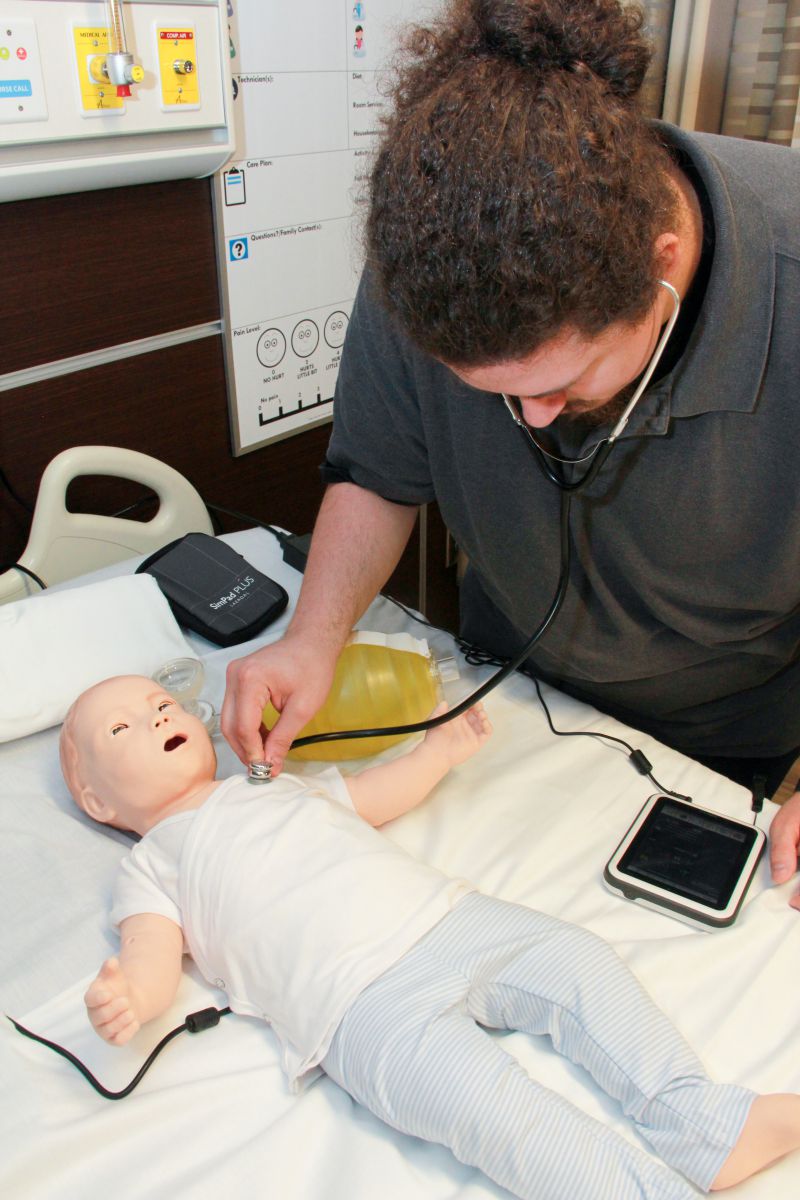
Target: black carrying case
(214, 591)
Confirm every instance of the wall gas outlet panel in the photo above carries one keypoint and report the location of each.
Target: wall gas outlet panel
(75, 114)
(98, 97)
(178, 68)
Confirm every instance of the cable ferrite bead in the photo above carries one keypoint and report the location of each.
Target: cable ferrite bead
(642, 764)
(205, 1018)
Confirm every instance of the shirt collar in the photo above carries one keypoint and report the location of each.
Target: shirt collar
(724, 361)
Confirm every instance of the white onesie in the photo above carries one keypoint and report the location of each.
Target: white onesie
(288, 901)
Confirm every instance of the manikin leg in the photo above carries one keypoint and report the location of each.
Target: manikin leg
(412, 1050)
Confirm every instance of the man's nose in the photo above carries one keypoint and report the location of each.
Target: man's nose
(541, 410)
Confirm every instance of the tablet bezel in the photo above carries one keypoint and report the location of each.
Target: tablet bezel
(651, 895)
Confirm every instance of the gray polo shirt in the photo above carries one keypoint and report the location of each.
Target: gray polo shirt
(683, 611)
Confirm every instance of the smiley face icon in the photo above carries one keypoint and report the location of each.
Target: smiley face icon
(271, 347)
(305, 338)
(335, 329)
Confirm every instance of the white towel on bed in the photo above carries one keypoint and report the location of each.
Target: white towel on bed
(55, 645)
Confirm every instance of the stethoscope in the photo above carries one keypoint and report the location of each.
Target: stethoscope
(598, 453)
(595, 457)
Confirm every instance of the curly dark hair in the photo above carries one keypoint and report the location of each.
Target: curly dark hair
(518, 189)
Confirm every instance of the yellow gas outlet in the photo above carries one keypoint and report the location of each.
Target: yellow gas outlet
(177, 65)
(91, 46)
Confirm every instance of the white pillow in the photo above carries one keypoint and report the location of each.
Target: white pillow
(54, 646)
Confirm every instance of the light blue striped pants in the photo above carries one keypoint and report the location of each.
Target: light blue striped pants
(411, 1049)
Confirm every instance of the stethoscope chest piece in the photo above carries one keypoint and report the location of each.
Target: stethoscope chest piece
(259, 772)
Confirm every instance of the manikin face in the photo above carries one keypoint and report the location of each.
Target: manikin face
(573, 374)
(132, 756)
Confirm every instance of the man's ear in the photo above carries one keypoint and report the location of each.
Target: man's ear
(95, 807)
(667, 251)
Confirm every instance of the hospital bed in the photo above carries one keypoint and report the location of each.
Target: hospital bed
(532, 819)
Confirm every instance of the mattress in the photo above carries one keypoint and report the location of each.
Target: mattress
(532, 819)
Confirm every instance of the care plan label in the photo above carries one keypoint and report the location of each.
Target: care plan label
(307, 85)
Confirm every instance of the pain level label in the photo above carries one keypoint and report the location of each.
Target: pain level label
(96, 98)
(177, 67)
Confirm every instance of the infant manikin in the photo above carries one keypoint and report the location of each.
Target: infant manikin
(384, 972)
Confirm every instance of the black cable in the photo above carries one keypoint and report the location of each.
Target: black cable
(36, 578)
(477, 656)
(579, 732)
(140, 503)
(421, 620)
(15, 566)
(196, 1022)
(637, 758)
(250, 520)
(13, 493)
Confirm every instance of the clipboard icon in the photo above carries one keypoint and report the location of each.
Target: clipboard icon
(234, 186)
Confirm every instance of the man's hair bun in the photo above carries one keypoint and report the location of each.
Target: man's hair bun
(519, 189)
(603, 36)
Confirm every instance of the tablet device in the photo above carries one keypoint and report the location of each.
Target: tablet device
(686, 861)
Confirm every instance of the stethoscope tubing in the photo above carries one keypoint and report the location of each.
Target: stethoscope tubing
(567, 489)
(491, 683)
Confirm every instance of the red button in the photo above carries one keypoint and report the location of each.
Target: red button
(22, 53)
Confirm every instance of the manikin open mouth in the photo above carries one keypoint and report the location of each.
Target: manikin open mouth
(173, 742)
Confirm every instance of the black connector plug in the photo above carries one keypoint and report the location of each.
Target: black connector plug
(758, 794)
(295, 550)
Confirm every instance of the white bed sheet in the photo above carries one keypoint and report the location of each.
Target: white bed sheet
(532, 819)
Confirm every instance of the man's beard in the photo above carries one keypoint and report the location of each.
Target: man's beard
(606, 414)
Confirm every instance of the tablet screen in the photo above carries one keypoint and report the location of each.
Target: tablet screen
(692, 852)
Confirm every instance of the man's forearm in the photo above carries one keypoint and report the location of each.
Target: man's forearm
(358, 540)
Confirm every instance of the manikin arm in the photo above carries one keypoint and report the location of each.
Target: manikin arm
(141, 983)
(358, 540)
(384, 792)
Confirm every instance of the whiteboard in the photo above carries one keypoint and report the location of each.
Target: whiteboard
(307, 98)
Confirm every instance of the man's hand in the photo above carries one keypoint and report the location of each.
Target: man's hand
(784, 848)
(109, 1005)
(295, 677)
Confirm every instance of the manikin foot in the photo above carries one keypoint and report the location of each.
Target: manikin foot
(772, 1129)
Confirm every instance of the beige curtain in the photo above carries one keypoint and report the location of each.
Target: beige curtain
(733, 67)
(659, 25)
(763, 84)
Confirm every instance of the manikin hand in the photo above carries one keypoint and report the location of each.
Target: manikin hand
(109, 1005)
(459, 739)
(784, 836)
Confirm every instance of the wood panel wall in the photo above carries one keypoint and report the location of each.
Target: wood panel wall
(93, 270)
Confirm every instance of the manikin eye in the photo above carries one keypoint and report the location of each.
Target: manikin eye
(165, 704)
(115, 729)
